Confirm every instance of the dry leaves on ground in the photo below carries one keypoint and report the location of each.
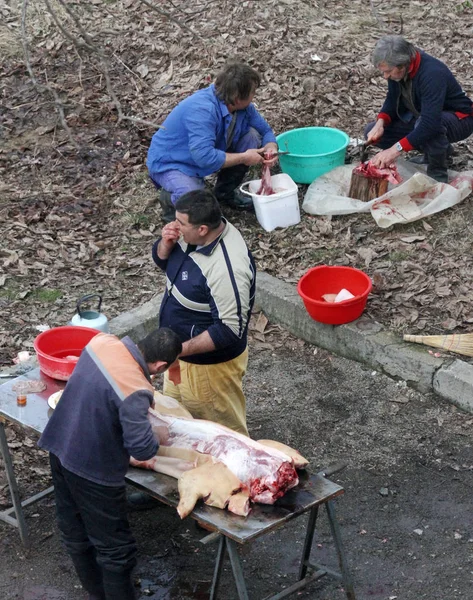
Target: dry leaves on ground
(78, 212)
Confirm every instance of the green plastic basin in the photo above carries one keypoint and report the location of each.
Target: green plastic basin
(313, 151)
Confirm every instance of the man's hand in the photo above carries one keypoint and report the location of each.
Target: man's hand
(170, 235)
(271, 148)
(385, 158)
(377, 132)
(252, 157)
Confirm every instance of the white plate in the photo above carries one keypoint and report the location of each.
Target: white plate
(54, 399)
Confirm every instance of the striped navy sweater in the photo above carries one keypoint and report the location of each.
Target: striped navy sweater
(210, 289)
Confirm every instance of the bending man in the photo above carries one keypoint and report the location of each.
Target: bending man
(100, 421)
(210, 293)
(425, 107)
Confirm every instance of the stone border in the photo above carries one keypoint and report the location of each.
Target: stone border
(363, 340)
(366, 341)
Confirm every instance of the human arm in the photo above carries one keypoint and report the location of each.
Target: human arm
(432, 95)
(376, 132)
(138, 437)
(201, 344)
(253, 156)
(385, 157)
(249, 158)
(164, 245)
(230, 288)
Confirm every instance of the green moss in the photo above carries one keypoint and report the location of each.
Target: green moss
(46, 295)
(399, 255)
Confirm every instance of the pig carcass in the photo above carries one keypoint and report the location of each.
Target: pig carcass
(267, 472)
(224, 468)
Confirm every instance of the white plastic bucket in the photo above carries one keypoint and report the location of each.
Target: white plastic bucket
(278, 210)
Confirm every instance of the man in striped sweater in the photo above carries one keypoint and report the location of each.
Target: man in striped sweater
(209, 295)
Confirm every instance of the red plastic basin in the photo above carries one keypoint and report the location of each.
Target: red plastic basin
(54, 345)
(322, 280)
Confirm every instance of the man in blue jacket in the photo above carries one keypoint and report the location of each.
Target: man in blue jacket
(425, 107)
(217, 129)
(209, 296)
(99, 422)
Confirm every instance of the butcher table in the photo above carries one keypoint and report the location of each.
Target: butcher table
(313, 491)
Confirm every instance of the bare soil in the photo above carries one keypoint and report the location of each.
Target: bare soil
(405, 517)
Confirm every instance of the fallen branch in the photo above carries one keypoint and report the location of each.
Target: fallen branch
(164, 13)
(88, 45)
(40, 86)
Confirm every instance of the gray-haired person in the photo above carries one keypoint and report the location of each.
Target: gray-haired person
(425, 108)
(217, 129)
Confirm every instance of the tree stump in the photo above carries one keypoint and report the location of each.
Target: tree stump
(366, 188)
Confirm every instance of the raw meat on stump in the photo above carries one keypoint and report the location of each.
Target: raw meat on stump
(369, 182)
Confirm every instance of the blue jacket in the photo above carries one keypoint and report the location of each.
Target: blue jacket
(210, 289)
(101, 418)
(434, 90)
(193, 137)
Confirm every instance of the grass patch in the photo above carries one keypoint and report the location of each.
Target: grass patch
(323, 255)
(46, 295)
(399, 255)
(138, 220)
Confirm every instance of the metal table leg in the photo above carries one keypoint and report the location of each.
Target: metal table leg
(230, 546)
(346, 578)
(20, 517)
(237, 569)
(218, 568)
(309, 536)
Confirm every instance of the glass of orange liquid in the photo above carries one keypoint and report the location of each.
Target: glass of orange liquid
(21, 393)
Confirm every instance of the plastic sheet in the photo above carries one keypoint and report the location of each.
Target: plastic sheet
(416, 198)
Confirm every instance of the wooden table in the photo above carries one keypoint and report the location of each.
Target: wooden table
(313, 491)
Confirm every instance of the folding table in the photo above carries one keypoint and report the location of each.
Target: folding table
(313, 491)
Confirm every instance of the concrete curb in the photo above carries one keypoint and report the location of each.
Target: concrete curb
(364, 340)
(368, 342)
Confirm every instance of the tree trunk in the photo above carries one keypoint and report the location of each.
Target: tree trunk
(366, 188)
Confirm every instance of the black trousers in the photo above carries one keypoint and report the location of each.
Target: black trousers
(94, 528)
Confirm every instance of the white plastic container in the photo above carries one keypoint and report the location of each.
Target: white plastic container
(278, 210)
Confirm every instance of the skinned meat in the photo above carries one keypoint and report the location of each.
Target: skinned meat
(266, 188)
(174, 467)
(299, 461)
(368, 170)
(267, 472)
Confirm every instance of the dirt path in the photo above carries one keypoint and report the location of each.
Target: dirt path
(406, 515)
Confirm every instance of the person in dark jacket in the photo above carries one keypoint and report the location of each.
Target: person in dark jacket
(216, 129)
(98, 424)
(211, 278)
(425, 108)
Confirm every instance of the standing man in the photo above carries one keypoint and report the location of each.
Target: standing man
(425, 107)
(208, 300)
(100, 421)
(217, 129)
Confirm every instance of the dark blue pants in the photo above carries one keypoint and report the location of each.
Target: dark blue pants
(94, 528)
(452, 130)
